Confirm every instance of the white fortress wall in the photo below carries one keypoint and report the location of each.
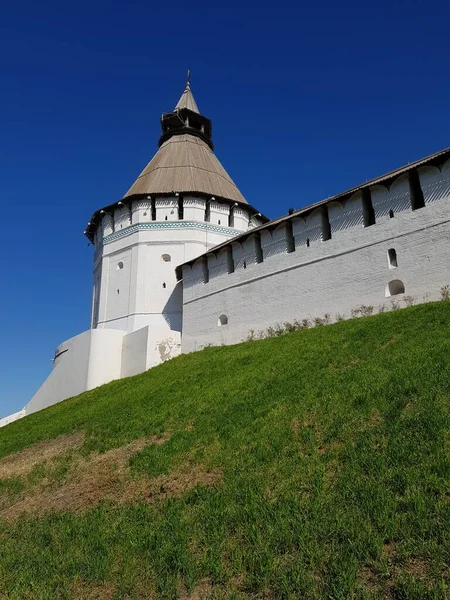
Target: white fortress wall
(82, 363)
(240, 218)
(11, 418)
(148, 347)
(293, 271)
(134, 352)
(435, 183)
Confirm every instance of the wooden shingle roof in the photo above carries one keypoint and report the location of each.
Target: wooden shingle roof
(186, 164)
(187, 100)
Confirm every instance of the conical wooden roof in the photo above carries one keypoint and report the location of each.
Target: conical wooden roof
(187, 100)
(186, 164)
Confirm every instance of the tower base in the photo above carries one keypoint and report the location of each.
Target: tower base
(99, 356)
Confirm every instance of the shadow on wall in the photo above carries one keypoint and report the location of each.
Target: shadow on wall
(96, 295)
(172, 310)
(172, 313)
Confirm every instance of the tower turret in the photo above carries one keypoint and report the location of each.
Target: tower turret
(182, 204)
(186, 119)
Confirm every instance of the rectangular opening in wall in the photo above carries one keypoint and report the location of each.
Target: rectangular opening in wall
(290, 240)
(415, 190)
(180, 209)
(153, 209)
(205, 271)
(230, 261)
(368, 211)
(326, 227)
(258, 249)
(392, 258)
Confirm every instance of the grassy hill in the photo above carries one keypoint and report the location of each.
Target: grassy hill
(311, 465)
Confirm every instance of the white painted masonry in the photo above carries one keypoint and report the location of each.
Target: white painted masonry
(82, 363)
(14, 417)
(295, 270)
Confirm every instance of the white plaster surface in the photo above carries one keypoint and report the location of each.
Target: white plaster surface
(334, 276)
(144, 292)
(11, 418)
(82, 363)
(134, 352)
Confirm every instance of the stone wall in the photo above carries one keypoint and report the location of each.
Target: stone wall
(329, 262)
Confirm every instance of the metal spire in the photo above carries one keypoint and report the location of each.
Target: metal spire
(188, 82)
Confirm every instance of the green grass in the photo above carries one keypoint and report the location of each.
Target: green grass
(333, 450)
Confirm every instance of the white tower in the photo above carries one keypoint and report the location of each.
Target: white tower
(182, 204)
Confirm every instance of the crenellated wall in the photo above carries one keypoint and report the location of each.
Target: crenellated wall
(218, 213)
(176, 208)
(387, 242)
(435, 182)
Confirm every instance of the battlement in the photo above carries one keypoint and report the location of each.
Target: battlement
(121, 216)
(304, 229)
(387, 238)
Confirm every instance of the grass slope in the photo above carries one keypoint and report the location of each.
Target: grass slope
(313, 465)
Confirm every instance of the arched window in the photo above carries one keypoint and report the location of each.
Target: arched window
(392, 258)
(119, 266)
(391, 214)
(223, 320)
(166, 257)
(395, 287)
(307, 242)
(164, 285)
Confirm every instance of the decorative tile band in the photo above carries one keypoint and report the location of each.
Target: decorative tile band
(117, 235)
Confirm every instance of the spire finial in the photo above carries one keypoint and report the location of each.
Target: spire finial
(188, 82)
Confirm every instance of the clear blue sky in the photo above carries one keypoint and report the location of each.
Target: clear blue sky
(307, 100)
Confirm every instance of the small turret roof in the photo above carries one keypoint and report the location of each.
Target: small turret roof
(187, 99)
